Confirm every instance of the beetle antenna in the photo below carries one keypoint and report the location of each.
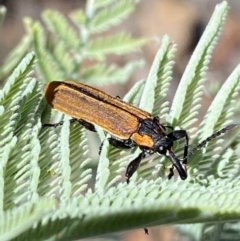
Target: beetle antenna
(213, 136)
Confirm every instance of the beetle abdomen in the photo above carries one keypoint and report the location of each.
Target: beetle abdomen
(80, 101)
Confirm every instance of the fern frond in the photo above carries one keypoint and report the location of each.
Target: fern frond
(69, 170)
(12, 98)
(78, 17)
(217, 116)
(16, 221)
(64, 60)
(79, 159)
(228, 166)
(102, 170)
(26, 150)
(120, 43)
(110, 16)
(149, 203)
(14, 57)
(135, 93)
(47, 67)
(64, 177)
(23, 69)
(158, 79)
(102, 74)
(57, 23)
(189, 91)
(221, 108)
(49, 162)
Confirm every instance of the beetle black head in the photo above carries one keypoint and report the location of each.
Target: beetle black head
(165, 148)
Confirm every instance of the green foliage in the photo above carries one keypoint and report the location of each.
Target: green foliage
(47, 184)
(74, 51)
(186, 100)
(15, 57)
(119, 43)
(111, 16)
(102, 73)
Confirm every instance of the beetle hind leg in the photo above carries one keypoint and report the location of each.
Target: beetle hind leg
(52, 125)
(122, 144)
(84, 123)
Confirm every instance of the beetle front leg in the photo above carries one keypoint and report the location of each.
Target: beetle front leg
(176, 135)
(176, 164)
(133, 165)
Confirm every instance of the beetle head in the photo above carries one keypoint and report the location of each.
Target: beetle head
(164, 145)
(165, 148)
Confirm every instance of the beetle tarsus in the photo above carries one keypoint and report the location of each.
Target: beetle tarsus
(53, 125)
(100, 147)
(171, 172)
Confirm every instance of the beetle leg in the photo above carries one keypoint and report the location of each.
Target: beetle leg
(53, 125)
(59, 123)
(176, 163)
(84, 123)
(100, 147)
(157, 120)
(133, 165)
(122, 144)
(169, 127)
(176, 135)
(171, 173)
(125, 144)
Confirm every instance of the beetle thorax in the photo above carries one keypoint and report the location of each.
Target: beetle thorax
(150, 135)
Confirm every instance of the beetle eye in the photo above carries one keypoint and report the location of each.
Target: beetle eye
(162, 150)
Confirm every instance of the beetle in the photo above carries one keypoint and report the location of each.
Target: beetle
(127, 125)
